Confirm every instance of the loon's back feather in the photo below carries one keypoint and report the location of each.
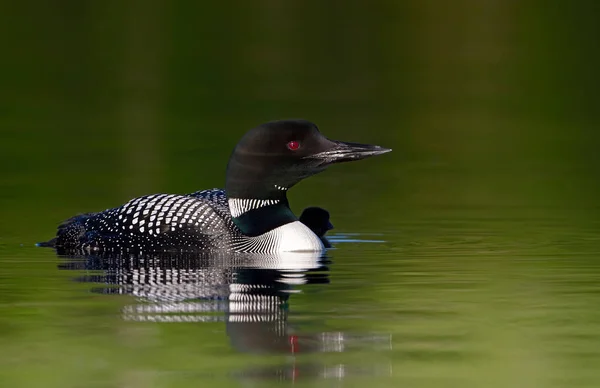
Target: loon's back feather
(196, 221)
(215, 196)
(164, 222)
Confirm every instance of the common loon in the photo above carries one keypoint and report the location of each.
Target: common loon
(251, 214)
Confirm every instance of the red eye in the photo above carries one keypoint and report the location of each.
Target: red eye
(293, 145)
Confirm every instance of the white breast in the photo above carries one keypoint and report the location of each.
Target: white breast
(294, 236)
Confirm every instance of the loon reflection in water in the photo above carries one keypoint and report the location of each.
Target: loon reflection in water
(251, 214)
(250, 293)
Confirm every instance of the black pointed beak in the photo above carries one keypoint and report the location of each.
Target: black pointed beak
(345, 152)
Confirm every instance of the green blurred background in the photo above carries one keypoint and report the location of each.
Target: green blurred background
(484, 102)
(491, 108)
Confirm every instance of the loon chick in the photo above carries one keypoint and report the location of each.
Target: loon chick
(317, 220)
(251, 215)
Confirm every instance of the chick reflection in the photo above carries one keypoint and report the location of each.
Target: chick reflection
(257, 315)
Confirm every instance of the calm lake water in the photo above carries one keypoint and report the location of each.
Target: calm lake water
(464, 298)
(469, 256)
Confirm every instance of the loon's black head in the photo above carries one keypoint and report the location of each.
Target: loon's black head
(273, 157)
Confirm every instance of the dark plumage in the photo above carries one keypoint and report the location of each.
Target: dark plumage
(317, 219)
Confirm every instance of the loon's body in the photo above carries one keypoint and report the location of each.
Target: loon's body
(252, 214)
